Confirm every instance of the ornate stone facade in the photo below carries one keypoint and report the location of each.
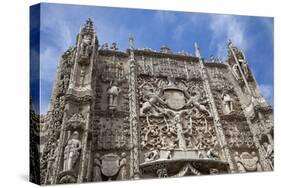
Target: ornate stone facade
(138, 114)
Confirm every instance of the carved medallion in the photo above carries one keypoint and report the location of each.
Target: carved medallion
(249, 161)
(175, 98)
(110, 164)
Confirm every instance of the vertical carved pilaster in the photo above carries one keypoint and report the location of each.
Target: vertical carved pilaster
(217, 122)
(262, 153)
(134, 121)
(59, 158)
(84, 146)
(239, 67)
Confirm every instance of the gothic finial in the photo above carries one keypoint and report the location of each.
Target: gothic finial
(197, 51)
(88, 26)
(229, 44)
(131, 40)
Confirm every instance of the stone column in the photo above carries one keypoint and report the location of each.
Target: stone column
(240, 70)
(217, 122)
(84, 150)
(63, 134)
(134, 120)
(262, 153)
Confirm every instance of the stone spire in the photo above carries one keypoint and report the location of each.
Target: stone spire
(197, 50)
(131, 41)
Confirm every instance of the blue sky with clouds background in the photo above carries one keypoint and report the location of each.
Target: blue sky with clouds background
(60, 24)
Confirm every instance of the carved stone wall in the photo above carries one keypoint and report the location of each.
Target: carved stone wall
(118, 115)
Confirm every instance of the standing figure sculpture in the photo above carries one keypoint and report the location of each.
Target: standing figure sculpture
(97, 168)
(113, 91)
(71, 151)
(236, 72)
(227, 103)
(177, 119)
(85, 45)
(122, 175)
(180, 132)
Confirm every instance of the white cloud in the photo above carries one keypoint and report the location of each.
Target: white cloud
(57, 25)
(225, 27)
(165, 16)
(267, 92)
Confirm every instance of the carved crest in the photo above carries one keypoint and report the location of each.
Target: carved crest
(110, 164)
(249, 161)
(175, 98)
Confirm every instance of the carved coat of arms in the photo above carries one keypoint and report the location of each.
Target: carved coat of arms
(110, 164)
(175, 98)
(249, 161)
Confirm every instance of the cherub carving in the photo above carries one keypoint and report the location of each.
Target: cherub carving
(151, 97)
(194, 98)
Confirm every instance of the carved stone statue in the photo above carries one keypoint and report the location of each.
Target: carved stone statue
(152, 99)
(122, 175)
(82, 76)
(227, 103)
(113, 91)
(104, 46)
(72, 151)
(97, 168)
(180, 132)
(86, 45)
(243, 63)
(114, 46)
(236, 72)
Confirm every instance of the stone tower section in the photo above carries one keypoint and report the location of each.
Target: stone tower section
(259, 115)
(71, 110)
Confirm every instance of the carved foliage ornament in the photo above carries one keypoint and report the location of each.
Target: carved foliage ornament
(77, 121)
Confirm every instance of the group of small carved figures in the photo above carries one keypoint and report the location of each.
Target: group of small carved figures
(168, 129)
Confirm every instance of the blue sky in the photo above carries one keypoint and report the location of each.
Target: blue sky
(152, 28)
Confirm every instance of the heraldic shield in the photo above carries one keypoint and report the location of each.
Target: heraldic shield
(110, 164)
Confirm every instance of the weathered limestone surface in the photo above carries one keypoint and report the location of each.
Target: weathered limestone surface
(138, 114)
